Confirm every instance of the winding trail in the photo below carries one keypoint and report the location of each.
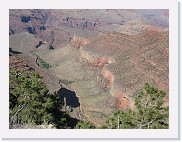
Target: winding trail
(23, 40)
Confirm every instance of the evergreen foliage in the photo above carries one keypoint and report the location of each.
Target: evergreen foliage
(40, 62)
(30, 102)
(150, 112)
(84, 125)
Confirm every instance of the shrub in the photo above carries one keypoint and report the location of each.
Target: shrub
(84, 125)
(150, 112)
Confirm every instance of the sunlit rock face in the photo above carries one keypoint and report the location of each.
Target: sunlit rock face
(105, 56)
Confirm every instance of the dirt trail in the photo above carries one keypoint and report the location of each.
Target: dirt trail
(23, 40)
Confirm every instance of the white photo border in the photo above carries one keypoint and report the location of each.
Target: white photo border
(171, 133)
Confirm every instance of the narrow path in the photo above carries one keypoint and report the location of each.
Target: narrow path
(23, 40)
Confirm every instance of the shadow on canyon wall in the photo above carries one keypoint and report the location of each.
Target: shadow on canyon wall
(71, 98)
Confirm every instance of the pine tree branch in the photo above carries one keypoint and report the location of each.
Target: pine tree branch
(17, 112)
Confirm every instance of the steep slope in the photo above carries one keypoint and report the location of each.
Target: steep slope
(107, 72)
(105, 56)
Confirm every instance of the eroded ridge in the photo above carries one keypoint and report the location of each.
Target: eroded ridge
(128, 62)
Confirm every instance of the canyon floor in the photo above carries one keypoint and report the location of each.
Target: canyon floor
(99, 59)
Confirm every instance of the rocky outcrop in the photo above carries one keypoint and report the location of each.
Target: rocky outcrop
(123, 100)
(109, 76)
(77, 41)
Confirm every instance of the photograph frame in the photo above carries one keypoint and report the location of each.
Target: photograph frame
(171, 133)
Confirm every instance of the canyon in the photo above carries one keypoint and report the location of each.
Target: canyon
(104, 56)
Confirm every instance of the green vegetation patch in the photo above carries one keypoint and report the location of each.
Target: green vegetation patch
(84, 125)
(40, 62)
(31, 103)
(150, 112)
